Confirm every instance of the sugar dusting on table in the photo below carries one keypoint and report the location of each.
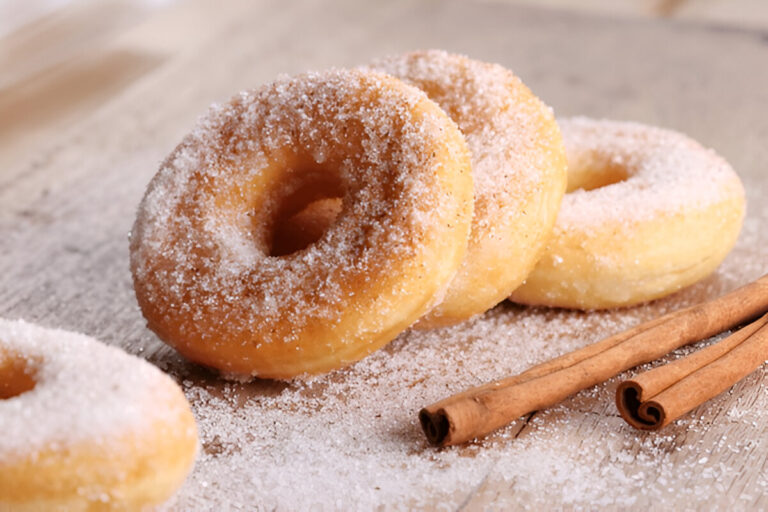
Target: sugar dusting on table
(351, 440)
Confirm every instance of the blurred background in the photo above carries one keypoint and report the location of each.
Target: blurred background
(60, 60)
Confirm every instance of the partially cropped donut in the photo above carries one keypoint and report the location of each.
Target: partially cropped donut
(214, 279)
(648, 212)
(518, 163)
(85, 426)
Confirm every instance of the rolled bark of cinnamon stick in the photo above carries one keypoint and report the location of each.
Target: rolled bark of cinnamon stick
(481, 410)
(658, 397)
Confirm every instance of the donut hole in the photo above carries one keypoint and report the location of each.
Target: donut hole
(16, 376)
(306, 212)
(596, 175)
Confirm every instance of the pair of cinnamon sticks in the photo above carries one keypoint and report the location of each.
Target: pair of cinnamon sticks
(649, 401)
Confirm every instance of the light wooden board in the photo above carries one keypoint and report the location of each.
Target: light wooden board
(71, 178)
(738, 13)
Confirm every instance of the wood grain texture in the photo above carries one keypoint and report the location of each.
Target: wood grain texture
(70, 186)
(735, 13)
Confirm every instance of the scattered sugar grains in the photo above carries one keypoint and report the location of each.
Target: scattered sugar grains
(350, 439)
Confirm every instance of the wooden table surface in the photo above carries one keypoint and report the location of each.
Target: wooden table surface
(94, 94)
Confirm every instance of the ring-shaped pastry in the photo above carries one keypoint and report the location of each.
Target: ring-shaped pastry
(649, 211)
(86, 426)
(208, 275)
(518, 164)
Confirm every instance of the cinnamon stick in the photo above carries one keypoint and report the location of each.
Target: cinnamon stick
(480, 410)
(658, 397)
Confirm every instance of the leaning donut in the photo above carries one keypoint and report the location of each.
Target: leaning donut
(85, 426)
(518, 163)
(649, 211)
(206, 271)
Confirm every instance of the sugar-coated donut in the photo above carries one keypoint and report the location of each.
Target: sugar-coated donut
(86, 426)
(207, 274)
(649, 211)
(518, 163)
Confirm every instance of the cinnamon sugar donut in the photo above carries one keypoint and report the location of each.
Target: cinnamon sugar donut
(518, 164)
(85, 426)
(649, 211)
(206, 271)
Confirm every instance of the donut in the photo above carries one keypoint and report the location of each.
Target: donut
(86, 426)
(648, 212)
(208, 276)
(518, 164)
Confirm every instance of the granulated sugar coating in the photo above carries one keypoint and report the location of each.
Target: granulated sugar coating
(86, 426)
(657, 172)
(518, 163)
(201, 246)
(650, 212)
(350, 440)
(83, 391)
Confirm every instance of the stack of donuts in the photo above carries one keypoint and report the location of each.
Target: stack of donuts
(305, 224)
